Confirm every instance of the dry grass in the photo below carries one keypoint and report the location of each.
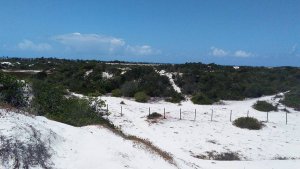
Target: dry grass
(143, 142)
(7, 108)
(149, 145)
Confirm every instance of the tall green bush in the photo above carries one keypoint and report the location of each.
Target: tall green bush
(11, 91)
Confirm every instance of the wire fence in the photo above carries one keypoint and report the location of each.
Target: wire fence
(212, 114)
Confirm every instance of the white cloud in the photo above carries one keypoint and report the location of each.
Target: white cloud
(29, 45)
(241, 53)
(141, 50)
(221, 53)
(218, 52)
(101, 44)
(90, 42)
(294, 49)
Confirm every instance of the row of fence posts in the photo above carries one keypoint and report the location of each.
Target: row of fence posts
(195, 115)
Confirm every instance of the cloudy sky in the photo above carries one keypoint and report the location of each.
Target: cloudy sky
(234, 32)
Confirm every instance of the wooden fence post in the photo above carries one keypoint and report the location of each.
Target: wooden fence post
(180, 114)
(195, 115)
(212, 112)
(248, 113)
(121, 111)
(164, 113)
(286, 120)
(230, 115)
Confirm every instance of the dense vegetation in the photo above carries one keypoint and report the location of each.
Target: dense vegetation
(205, 83)
(264, 106)
(211, 83)
(292, 99)
(51, 101)
(248, 123)
(89, 78)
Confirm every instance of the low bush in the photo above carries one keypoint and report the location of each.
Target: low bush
(116, 93)
(248, 123)
(175, 98)
(141, 97)
(264, 106)
(200, 98)
(95, 94)
(154, 115)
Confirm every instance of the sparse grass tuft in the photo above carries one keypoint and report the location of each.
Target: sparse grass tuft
(225, 156)
(284, 158)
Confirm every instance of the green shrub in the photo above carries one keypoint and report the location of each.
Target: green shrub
(95, 94)
(141, 97)
(292, 99)
(175, 98)
(50, 101)
(48, 98)
(264, 106)
(154, 115)
(200, 98)
(11, 91)
(248, 123)
(76, 112)
(116, 93)
(129, 88)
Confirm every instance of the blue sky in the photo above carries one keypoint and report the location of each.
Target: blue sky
(234, 32)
